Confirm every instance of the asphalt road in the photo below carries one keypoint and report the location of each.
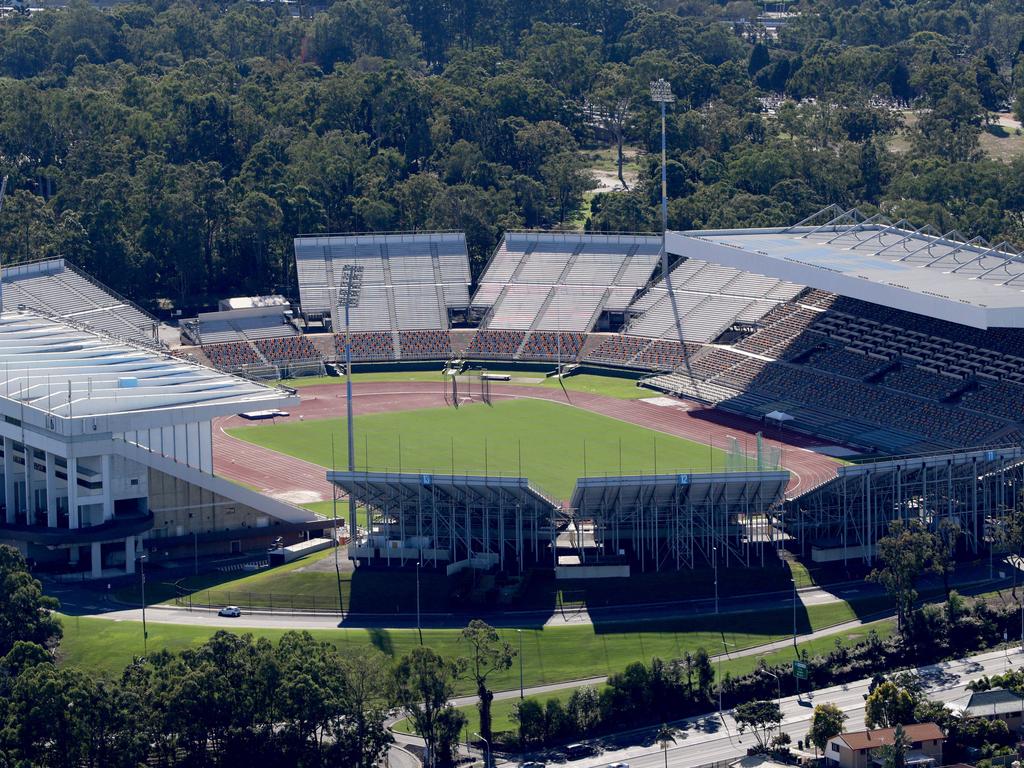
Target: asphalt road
(709, 739)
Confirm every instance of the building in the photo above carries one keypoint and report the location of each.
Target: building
(107, 452)
(996, 704)
(859, 749)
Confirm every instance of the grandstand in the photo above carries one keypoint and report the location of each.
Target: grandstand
(107, 452)
(409, 282)
(542, 292)
(55, 288)
(863, 372)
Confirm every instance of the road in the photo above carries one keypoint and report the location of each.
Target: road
(708, 739)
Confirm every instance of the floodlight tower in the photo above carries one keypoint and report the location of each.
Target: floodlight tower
(353, 277)
(661, 93)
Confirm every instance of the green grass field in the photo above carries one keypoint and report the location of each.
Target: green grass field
(550, 443)
(609, 386)
(552, 654)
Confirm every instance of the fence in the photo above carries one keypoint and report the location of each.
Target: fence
(262, 602)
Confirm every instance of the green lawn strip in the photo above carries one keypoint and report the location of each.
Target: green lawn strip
(611, 386)
(502, 709)
(547, 442)
(552, 654)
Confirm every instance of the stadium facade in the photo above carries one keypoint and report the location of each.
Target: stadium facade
(108, 452)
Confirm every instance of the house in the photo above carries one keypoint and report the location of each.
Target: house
(858, 749)
(996, 704)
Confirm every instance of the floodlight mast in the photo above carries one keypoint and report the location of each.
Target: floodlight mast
(353, 274)
(661, 93)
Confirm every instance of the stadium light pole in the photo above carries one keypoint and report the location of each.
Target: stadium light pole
(353, 274)
(419, 627)
(661, 93)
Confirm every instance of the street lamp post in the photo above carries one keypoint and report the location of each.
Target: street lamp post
(714, 564)
(521, 690)
(794, 612)
(419, 627)
(725, 650)
(487, 754)
(778, 688)
(142, 584)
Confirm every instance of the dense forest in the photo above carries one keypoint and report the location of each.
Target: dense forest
(174, 148)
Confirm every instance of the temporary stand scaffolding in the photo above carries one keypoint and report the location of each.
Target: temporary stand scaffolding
(844, 518)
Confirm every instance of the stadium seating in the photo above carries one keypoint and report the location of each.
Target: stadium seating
(56, 288)
(408, 281)
(233, 355)
(373, 345)
(545, 345)
(287, 349)
(617, 350)
(425, 345)
(501, 345)
(664, 355)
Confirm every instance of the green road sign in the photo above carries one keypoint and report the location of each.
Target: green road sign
(800, 670)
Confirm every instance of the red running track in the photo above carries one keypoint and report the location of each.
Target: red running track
(298, 481)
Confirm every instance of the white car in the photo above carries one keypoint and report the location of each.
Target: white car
(618, 765)
(230, 611)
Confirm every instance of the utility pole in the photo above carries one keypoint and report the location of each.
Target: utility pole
(520, 633)
(419, 627)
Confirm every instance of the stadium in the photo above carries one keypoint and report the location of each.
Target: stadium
(789, 388)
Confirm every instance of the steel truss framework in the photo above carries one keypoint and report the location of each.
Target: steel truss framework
(440, 520)
(850, 513)
(666, 522)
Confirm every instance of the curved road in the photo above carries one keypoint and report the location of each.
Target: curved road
(298, 481)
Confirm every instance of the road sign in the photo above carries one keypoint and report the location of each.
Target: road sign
(800, 670)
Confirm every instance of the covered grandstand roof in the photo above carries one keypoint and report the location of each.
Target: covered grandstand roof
(67, 374)
(386, 489)
(941, 275)
(599, 493)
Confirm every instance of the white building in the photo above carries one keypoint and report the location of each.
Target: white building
(107, 450)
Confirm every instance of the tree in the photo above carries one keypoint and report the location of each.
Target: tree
(895, 755)
(489, 654)
(25, 612)
(947, 535)
(666, 735)
(422, 683)
(889, 705)
(613, 97)
(826, 723)
(761, 717)
(360, 736)
(704, 672)
(906, 553)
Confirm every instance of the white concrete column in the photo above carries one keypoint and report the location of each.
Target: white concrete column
(9, 498)
(107, 474)
(51, 490)
(97, 560)
(129, 554)
(31, 481)
(72, 492)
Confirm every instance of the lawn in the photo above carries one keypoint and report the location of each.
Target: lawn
(610, 386)
(550, 654)
(502, 709)
(550, 443)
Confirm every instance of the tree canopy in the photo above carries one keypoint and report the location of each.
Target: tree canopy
(174, 148)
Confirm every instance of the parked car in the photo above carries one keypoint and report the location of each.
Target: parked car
(532, 764)
(618, 765)
(230, 611)
(579, 750)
